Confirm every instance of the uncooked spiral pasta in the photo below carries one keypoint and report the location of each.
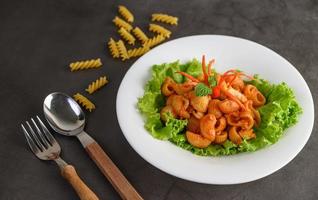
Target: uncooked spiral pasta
(121, 23)
(97, 84)
(140, 34)
(127, 15)
(126, 36)
(80, 65)
(159, 17)
(113, 48)
(160, 30)
(137, 51)
(85, 102)
(122, 50)
(154, 41)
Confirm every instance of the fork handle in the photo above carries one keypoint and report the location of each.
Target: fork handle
(112, 173)
(82, 190)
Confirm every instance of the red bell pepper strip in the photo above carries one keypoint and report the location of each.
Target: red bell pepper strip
(216, 92)
(231, 82)
(248, 76)
(229, 71)
(217, 88)
(189, 77)
(238, 73)
(210, 66)
(205, 75)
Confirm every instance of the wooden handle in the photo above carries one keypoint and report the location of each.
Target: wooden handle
(112, 173)
(82, 190)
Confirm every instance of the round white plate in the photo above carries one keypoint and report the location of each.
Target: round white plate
(229, 52)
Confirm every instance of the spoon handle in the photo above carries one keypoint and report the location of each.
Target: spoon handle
(112, 173)
(83, 191)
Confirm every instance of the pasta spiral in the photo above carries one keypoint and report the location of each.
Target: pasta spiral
(127, 15)
(126, 36)
(121, 23)
(160, 30)
(159, 17)
(122, 50)
(140, 34)
(80, 65)
(138, 51)
(113, 48)
(154, 41)
(85, 102)
(96, 84)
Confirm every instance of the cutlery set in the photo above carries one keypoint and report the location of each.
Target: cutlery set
(66, 117)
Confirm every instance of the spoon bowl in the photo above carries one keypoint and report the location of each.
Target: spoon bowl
(64, 114)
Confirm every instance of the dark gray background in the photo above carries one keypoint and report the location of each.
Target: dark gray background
(39, 38)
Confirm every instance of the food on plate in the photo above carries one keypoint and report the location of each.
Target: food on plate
(211, 113)
(127, 36)
(159, 17)
(140, 35)
(84, 101)
(160, 30)
(126, 14)
(219, 113)
(95, 85)
(87, 64)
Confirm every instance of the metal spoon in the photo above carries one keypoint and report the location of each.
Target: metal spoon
(66, 117)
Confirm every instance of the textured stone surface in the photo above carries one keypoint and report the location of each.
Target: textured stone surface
(39, 38)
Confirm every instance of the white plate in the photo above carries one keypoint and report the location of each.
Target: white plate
(229, 52)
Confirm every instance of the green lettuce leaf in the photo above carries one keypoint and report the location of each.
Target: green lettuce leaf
(202, 90)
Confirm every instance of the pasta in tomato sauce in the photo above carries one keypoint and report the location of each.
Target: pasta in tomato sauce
(227, 110)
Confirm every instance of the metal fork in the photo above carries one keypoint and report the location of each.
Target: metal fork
(45, 147)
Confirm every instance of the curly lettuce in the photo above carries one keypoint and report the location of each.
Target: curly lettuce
(280, 112)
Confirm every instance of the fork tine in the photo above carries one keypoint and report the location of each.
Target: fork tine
(35, 149)
(35, 137)
(46, 132)
(42, 137)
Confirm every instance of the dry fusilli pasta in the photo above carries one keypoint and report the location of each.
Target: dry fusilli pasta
(113, 48)
(127, 15)
(154, 41)
(138, 51)
(140, 34)
(121, 23)
(80, 65)
(85, 102)
(127, 36)
(96, 84)
(159, 17)
(159, 29)
(122, 50)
